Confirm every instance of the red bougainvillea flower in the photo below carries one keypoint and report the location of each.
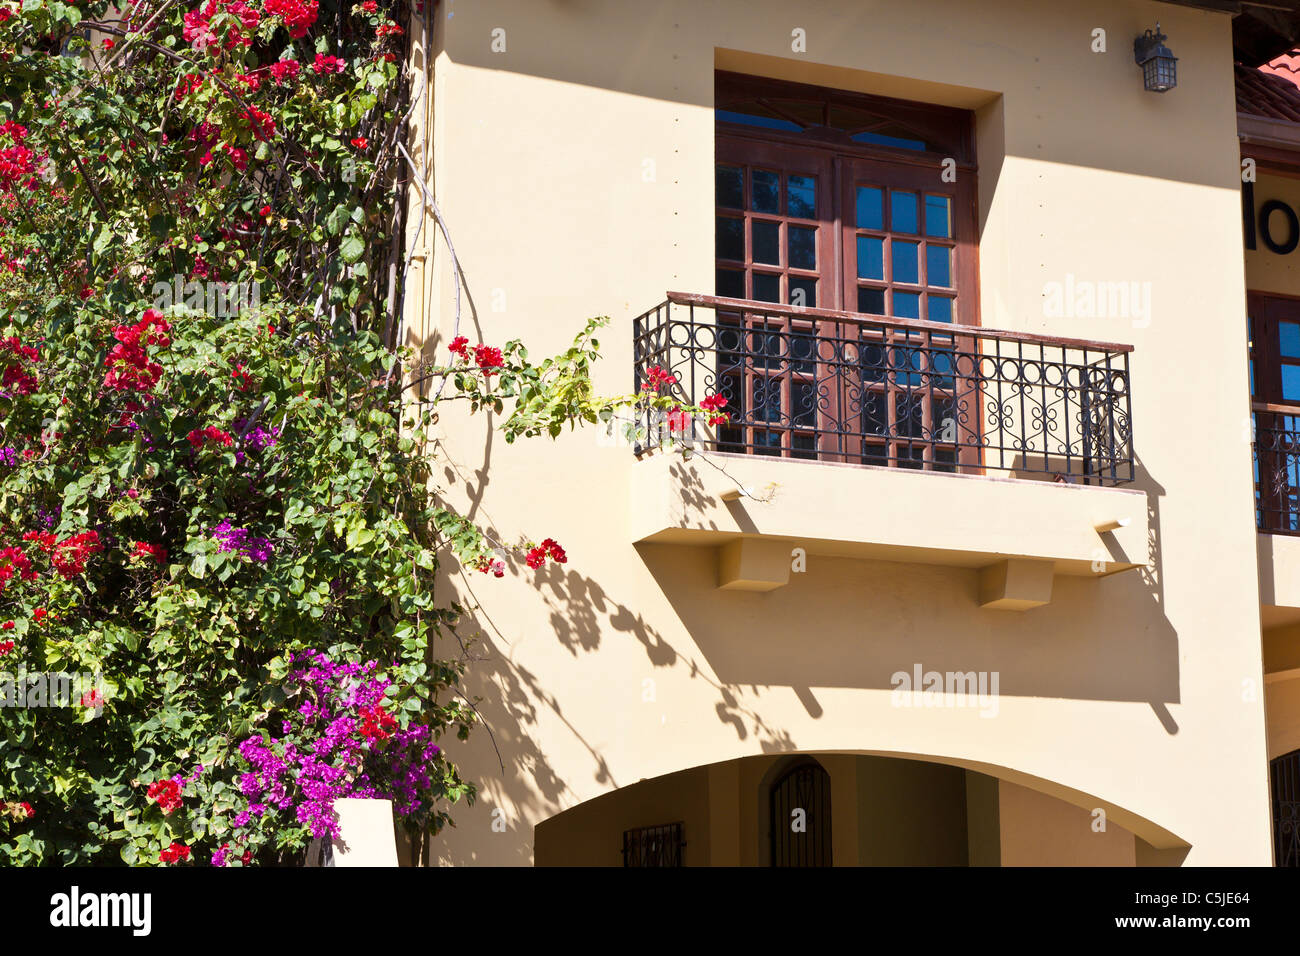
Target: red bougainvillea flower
(495, 568)
(6, 647)
(264, 212)
(19, 811)
(458, 346)
(68, 556)
(370, 6)
(174, 853)
(324, 65)
(153, 552)
(486, 357)
(388, 29)
(129, 366)
(376, 724)
(16, 162)
(198, 31)
(201, 436)
(260, 123)
(298, 16)
(166, 793)
(13, 561)
(657, 377)
(238, 157)
(361, 143)
(715, 403)
(242, 378)
(15, 359)
(285, 71)
(40, 614)
(108, 43)
(189, 83)
(7, 626)
(548, 548)
(92, 699)
(678, 420)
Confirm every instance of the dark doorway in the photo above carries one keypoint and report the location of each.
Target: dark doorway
(801, 817)
(1286, 809)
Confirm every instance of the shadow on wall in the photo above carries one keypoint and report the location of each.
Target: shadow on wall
(1081, 646)
(517, 711)
(797, 637)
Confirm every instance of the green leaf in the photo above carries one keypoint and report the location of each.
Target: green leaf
(351, 248)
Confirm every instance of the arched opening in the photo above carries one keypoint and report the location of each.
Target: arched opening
(799, 816)
(1285, 771)
(843, 809)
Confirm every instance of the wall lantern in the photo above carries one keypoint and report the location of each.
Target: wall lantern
(1159, 65)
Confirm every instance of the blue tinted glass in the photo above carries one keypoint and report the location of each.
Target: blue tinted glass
(902, 212)
(907, 305)
(871, 301)
(766, 191)
(940, 308)
(730, 187)
(767, 288)
(801, 197)
(802, 252)
(803, 292)
(730, 283)
(941, 371)
(766, 239)
(871, 208)
(749, 119)
(1288, 334)
(882, 140)
(1291, 382)
(871, 257)
(938, 220)
(731, 239)
(938, 266)
(906, 260)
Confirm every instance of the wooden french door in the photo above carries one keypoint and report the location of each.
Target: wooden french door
(909, 253)
(1274, 330)
(809, 225)
(775, 243)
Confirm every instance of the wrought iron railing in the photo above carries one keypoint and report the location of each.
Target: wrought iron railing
(847, 387)
(654, 846)
(1277, 467)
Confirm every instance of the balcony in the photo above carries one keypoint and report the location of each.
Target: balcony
(890, 439)
(1277, 510)
(843, 387)
(1277, 468)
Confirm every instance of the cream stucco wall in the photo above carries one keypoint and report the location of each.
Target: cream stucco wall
(575, 170)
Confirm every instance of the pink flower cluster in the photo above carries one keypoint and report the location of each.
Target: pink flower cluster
(339, 742)
(657, 377)
(199, 33)
(324, 65)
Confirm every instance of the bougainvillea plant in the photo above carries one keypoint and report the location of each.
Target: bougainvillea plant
(214, 496)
